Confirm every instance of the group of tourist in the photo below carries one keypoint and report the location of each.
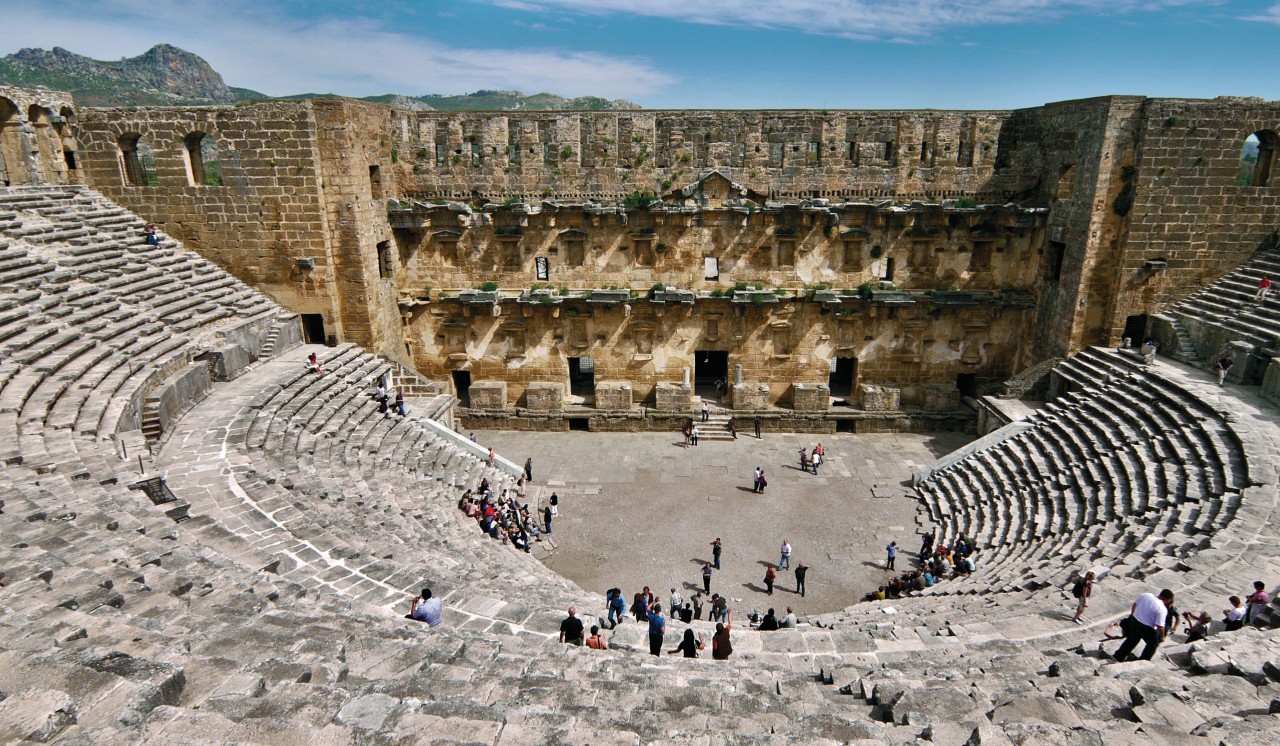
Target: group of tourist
(647, 609)
(1153, 619)
(507, 519)
(383, 397)
(811, 460)
(935, 564)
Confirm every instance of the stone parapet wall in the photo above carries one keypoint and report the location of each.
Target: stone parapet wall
(604, 155)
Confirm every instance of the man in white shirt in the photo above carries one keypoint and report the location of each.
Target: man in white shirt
(677, 603)
(1146, 623)
(788, 621)
(427, 609)
(785, 551)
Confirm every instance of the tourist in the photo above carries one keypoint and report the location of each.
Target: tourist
(1148, 351)
(706, 412)
(313, 364)
(785, 562)
(1224, 366)
(764, 482)
(657, 626)
(675, 602)
(1264, 287)
(804, 459)
(815, 460)
(427, 609)
(1233, 617)
(473, 438)
(596, 641)
(149, 234)
(547, 514)
(1146, 624)
(789, 621)
(1082, 590)
(688, 434)
(770, 575)
(693, 435)
(719, 608)
(617, 607)
(640, 604)
(686, 612)
(1197, 625)
(733, 429)
(528, 469)
(801, 571)
(716, 548)
(721, 645)
(926, 545)
(1257, 601)
(756, 422)
(706, 577)
(697, 605)
(769, 623)
(755, 484)
(690, 645)
(891, 553)
(400, 402)
(571, 628)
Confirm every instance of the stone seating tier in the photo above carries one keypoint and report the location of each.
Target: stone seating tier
(269, 608)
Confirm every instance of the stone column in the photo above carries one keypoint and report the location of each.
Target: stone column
(1244, 362)
(737, 374)
(686, 377)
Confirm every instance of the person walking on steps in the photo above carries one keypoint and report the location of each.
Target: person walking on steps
(1145, 623)
(1224, 366)
(1264, 287)
(1082, 590)
(706, 412)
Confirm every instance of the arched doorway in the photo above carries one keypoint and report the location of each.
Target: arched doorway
(13, 169)
(1258, 159)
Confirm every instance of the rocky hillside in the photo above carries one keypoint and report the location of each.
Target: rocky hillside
(165, 74)
(162, 75)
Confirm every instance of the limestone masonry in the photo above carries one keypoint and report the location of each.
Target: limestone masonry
(204, 540)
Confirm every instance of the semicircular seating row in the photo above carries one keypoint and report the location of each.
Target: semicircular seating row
(1126, 465)
(120, 625)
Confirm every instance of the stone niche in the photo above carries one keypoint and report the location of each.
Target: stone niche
(673, 397)
(544, 396)
(751, 396)
(941, 397)
(488, 395)
(880, 398)
(613, 395)
(810, 397)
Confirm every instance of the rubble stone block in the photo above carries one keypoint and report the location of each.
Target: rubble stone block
(613, 395)
(751, 395)
(673, 397)
(544, 396)
(880, 398)
(488, 395)
(811, 397)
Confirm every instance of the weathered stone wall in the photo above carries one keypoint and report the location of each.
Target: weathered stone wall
(1187, 208)
(38, 137)
(294, 213)
(778, 344)
(604, 155)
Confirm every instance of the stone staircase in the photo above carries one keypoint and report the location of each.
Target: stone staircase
(716, 428)
(264, 604)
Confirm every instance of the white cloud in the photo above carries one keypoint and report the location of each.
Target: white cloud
(259, 49)
(854, 19)
(1270, 15)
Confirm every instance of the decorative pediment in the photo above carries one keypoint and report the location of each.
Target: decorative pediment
(714, 189)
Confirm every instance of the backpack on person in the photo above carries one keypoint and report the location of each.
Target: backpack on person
(1077, 590)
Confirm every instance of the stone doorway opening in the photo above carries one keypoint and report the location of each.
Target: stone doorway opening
(709, 366)
(844, 371)
(1135, 329)
(582, 377)
(462, 386)
(313, 328)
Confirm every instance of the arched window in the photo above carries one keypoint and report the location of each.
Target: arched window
(41, 121)
(201, 156)
(65, 126)
(137, 162)
(11, 160)
(1258, 159)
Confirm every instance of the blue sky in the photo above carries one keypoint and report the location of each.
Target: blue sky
(955, 54)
